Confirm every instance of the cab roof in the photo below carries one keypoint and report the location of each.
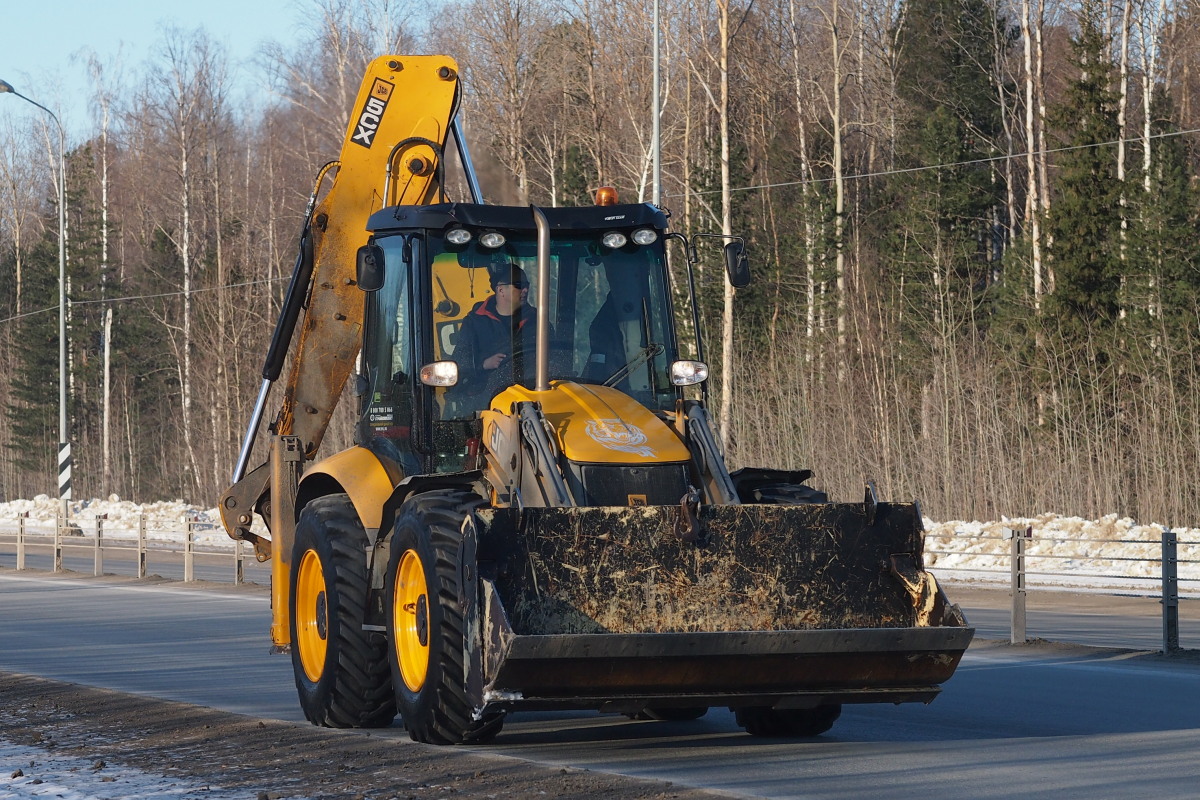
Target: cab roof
(444, 215)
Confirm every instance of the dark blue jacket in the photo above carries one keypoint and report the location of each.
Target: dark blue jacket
(484, 333)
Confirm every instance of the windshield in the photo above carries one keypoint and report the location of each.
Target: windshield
(608, 313)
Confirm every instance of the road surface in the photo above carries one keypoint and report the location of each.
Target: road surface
(1037, 720)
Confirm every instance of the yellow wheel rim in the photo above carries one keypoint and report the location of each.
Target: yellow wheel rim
(312, 615)
(411, 613)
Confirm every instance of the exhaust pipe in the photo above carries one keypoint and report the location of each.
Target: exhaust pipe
(543, 299)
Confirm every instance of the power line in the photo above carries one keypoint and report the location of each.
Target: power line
(930, 167)
(140, 297)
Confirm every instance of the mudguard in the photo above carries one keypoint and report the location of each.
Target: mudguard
(358, 472)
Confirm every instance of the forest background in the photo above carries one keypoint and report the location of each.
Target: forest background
(972, 224)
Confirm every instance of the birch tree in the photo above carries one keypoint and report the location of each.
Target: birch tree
(1035, 191)
(104, 114)
(500, 60)
(182, 100)
(1151, 26)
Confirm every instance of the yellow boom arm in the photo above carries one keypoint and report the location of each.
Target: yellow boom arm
(403, 109)
(391, 155)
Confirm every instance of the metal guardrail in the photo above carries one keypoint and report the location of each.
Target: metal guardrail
(69, 534)
(1019, 572)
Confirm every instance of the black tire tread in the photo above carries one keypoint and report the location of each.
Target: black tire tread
(769, 722)
(450, 720)
(361, 693)
(762, 721)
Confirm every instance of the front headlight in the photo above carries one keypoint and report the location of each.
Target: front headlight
(458, 236)
(440, 373)
(492, 240)
(614, 240)
(645, 236)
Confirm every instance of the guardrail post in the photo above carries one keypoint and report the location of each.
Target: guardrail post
(98, 565)
(239, 568)
(58, 532)
(24, 515)
(188, 542)
(1170, 590)
(141, 551)
(1017, 559)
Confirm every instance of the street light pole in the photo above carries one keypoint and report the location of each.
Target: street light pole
(64, 441)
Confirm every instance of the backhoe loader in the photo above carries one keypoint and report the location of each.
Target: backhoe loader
(536, 513)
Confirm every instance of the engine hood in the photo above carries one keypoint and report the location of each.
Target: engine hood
(600, 425)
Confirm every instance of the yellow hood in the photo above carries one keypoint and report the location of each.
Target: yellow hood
(600, 425)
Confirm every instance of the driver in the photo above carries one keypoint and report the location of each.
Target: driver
(500, 330)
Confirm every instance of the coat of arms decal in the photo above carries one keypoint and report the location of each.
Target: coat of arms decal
(616, 434)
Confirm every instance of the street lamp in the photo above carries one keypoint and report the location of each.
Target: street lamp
(64, 442)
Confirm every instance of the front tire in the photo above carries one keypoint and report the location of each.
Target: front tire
(342, 675)
(792, 722)
(426, 621)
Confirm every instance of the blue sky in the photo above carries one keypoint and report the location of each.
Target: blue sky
(44, 44)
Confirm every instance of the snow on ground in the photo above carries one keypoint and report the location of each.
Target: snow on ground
(1114, 553)
(29, 772)
(164, 520)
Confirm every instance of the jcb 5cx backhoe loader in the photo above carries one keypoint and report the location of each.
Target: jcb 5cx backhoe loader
(536, 514)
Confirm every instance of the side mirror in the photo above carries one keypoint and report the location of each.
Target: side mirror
(737, 265)
(370, 267)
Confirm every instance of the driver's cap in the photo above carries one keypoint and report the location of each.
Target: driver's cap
(507, 272)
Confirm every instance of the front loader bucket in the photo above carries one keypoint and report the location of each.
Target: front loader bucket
(784, 606)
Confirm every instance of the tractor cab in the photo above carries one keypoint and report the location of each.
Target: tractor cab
(453, 322)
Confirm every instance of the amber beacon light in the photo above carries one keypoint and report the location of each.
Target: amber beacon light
(606, 196)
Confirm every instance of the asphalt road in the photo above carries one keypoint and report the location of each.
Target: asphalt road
(1042, 720)
(1093, 619)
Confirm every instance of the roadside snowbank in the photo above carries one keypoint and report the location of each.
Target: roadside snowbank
(1112, 552)
(165, 520)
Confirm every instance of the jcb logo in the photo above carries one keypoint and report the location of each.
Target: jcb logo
(372, 113)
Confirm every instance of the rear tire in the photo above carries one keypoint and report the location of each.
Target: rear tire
(425, 621)
(341, 671)
(760, 721)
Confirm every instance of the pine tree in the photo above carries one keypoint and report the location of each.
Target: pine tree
(34, 398)
(576, 179)
(1084, 224)
(85, 336)
(938, 223)
(1164, 274)
(947, 61)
